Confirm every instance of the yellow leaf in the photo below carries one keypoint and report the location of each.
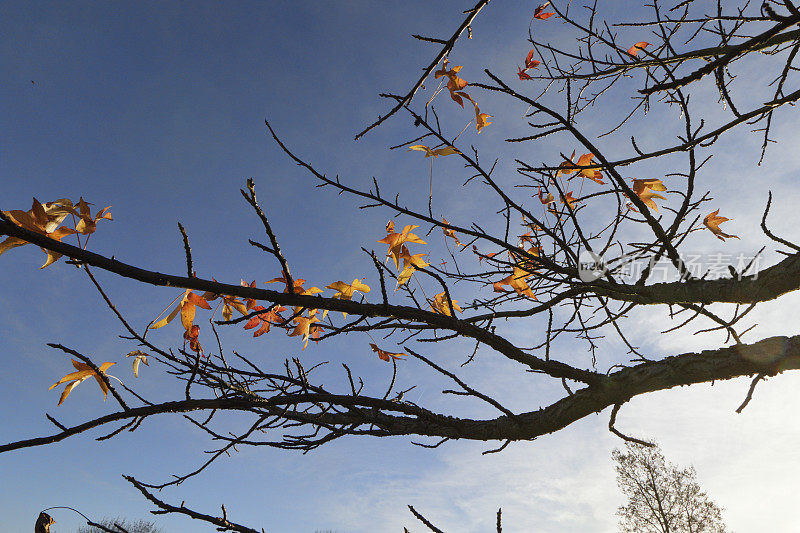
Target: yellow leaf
(396, 242)
(439, 304)
(447, 150)
(345, 291)
(84, 372)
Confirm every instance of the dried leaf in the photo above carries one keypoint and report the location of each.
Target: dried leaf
(643, 188)
(712, 222)
(546, 200)
(439, 304)
(454, 83)
(569, 200)
(517, 282)
(634, 50)
(447, 150)
(43, 219)
(410, 264)
(451, 233)
(530, 62)
(191, 335)
(84, 372)
(384, 355)
(138, 357)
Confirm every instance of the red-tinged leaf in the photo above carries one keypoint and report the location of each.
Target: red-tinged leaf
(569, 200)
(265, 319)
(384, 355)
(454, 83)
(191, 335)
(634, 50)
(197, 300)
(530, 62)
(523, 75)
(538, 12)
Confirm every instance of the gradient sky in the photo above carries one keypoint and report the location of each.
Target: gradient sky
(158, 109)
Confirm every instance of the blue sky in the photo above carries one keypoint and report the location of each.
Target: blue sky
(158, 109)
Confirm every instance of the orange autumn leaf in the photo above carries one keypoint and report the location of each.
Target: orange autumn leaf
(567, 167)
(305, 327)
(186, 307)
(523, 75)
(43, 219)
(530, 238)
(451, 233)
(643, 188)
(384, 355)
(480, 118)
(590, 173)
(538, 12)
(396, 241)
(83, 373)
(585, 160)
(546, 200)
(298, 287)
(454, 83)
(87, 224)
(265, 319)
(569, 200)
(249, 302)
(634, 50)
(712, 222)
(447, 150)
(229, 303)
(297, 283)
(481, 256)
(439, 304)
(517, 282)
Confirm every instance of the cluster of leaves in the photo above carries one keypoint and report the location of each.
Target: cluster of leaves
(46, 219)
(456, 87)
(518, 267)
